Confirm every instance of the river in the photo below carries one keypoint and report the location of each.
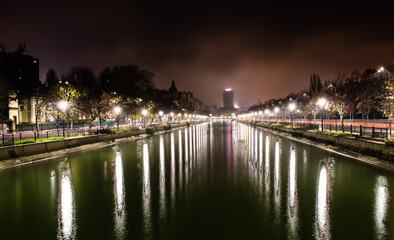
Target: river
(209, 181)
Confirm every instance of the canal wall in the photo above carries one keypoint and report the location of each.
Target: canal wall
(25, 153)
(381, 155)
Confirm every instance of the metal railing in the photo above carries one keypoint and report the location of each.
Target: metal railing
(358, 129)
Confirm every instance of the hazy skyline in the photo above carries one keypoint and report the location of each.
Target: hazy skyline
(264, 51)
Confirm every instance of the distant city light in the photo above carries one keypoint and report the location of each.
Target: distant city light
(144, 112)
(236, 106)
(228, 89)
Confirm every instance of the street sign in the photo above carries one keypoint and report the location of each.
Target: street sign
(350, 108)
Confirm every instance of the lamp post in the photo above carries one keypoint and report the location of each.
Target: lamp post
(267, 112)
(172, 117)
(144, 113)
(292, 106)
(117, 112)
(63, 105)
(322, 103)
(381, 70)
(161, 115)
(260, 113)
(276, 109)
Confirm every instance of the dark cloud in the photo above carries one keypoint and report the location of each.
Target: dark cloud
(261, 51)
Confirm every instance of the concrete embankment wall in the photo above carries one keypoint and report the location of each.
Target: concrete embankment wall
(24, 150)
(360, 145)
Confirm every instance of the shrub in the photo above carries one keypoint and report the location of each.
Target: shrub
(130, 128)
(24, 141)
(50, 139)
(276, 125)
(389, 143)
(150, 130)
(106, 131)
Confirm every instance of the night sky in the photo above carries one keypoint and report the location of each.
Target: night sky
(261, 51)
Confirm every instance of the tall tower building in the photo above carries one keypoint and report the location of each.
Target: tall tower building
(228, 98)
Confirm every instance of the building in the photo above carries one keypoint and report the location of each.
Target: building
(228, 103)
(174, 100)
(228, 98)
(19, 78)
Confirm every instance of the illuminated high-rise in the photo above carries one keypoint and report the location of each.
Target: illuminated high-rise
(228, 98)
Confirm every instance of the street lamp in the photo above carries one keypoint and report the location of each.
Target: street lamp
(266, 112)
(117, 112)
(144, 113)
(292, 106)
(63, 105)
(179, 116)
(260, 113)
(381, 70)
(172, 117)
(276, 110)
(322, 103)
(161, 115)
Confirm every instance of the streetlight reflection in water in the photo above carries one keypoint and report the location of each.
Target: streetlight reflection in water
(66, 212)
(381, 205)
(120, 209)
(146, 190)
(322, 227)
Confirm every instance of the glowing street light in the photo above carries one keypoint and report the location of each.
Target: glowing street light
(117, 111)
(292, 107)
(63, 105)
(322, 103)
(381, 70)
(161, 115)
(144, 113)
(260, 113)
(276, 110)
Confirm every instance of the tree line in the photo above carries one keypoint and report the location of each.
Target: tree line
(361, 95)
(88, 97)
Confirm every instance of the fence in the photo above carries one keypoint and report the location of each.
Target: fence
(356, 129)
(60, 131)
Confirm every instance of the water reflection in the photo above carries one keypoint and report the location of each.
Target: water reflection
(322, 226)
(255, 145)
(292, 205)
(162, 183)
(261, 150)
(180, 162)
(120, 209)
(191, 145)
(172, 168)
(186, 162)
(381, 204)
(267, 169)
(66, 209)
(146, 190)
(260, 163)
(277, 180)
(53, 187)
